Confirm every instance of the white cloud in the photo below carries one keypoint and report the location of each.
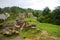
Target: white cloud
(40, 4)
(34, 4)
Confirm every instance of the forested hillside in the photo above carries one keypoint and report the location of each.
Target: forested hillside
(30, 24)
(44, 16)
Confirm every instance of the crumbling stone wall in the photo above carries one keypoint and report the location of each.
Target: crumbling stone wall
(16, 27)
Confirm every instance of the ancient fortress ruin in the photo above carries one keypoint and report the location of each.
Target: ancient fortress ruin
(15, 27)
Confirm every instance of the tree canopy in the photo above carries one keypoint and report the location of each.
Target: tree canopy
(45, 16)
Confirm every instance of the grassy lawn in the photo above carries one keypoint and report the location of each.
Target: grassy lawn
(52, 29)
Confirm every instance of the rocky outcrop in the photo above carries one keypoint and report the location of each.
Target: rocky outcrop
(4, 16)
(16, 27)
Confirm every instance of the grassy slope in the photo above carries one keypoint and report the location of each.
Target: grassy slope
(52, 29)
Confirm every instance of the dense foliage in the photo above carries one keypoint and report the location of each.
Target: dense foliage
(44, 16)
(49, 16)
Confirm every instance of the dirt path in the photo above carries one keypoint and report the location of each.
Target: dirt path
(43, 34)
(4, 38)
(18, 38)
(46, 35)
(15, 38)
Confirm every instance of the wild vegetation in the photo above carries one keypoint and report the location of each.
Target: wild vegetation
(46, 22)
(44, 16)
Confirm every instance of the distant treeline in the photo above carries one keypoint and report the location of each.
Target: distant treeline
(43, 16)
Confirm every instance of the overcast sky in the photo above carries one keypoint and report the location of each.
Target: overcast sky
(34, 4)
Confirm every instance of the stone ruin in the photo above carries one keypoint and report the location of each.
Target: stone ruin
(4, 17)
(21, 15)
(30, 15)
(16, 27)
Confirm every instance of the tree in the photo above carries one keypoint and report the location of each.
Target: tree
(0, 10)
(45, 16)
(37, 13)
(6, 10)
(56, 15)
(46, 11)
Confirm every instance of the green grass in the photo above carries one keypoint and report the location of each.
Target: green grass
(1, 36)
(52, 29)
(10, 20)
(29, 34)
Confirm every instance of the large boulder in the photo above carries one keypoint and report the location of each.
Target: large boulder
(6, 31)
(20, 21)
(30, 15)
(21, 15)
(4, 16)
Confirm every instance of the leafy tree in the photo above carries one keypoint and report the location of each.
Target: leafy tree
(56, 15)
(6, 10)
(46, 11)
(45, 16)
(37, 13)
(0, 10)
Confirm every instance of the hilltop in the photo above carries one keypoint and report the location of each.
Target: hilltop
(47, 31)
